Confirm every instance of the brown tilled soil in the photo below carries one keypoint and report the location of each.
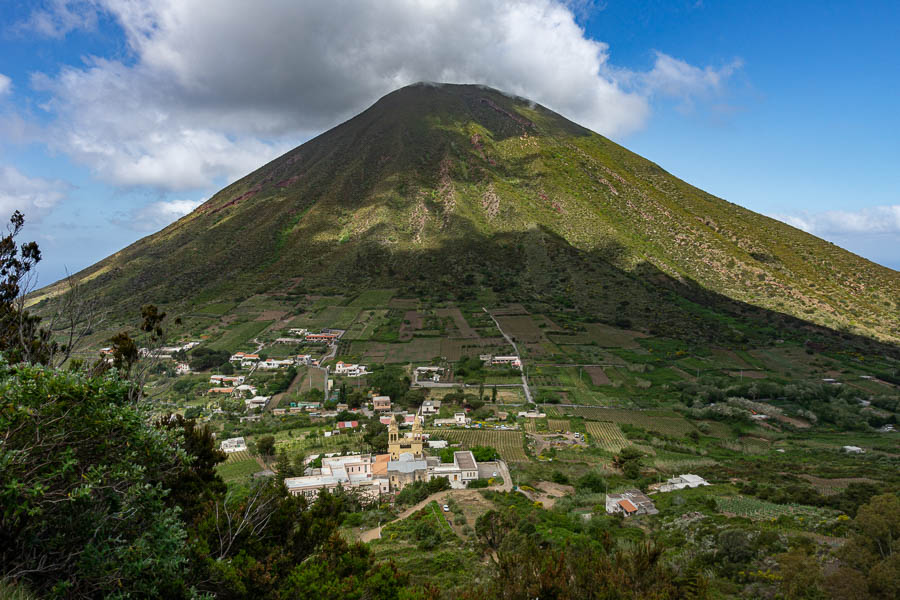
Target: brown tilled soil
(271, 315)
(464, 329)
(748, 374)
(416, 321)
(598, 377)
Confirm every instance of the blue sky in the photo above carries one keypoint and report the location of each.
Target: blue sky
(119, 116)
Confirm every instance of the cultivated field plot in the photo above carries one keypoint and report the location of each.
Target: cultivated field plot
(558, 425)
(413, 321)
(217, 309)
(463, 329)
(602, 335)
(404, 303)
(453, 350)
(831, 487)
(238, 335)
(315, 379)
(312, 444)
(531, 425)
(373, 298)
(365, 324)
(232, 470)
(238, 456)
(507, 443)
(598, 377)
(607, 435)
(664, 422)
(337, 317)
(509, 309)
(755, 509)
(522, 328)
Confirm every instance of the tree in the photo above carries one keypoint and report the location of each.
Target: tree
(873, 551)
(376, 435)
(800, 575)
(21, 337)
(283, 466)
(83, 506)
(266, 445)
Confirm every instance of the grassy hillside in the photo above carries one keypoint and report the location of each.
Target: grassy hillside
(461, 192)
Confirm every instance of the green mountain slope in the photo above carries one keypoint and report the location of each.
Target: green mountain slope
(461, 191)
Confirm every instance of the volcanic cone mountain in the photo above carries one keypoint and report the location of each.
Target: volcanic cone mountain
(464, 192)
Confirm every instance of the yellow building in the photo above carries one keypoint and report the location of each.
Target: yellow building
(410, 442)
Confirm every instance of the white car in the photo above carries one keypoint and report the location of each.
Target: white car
(446, 508)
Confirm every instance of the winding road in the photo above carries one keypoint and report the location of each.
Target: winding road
(440, 498)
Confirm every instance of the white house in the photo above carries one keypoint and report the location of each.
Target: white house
(182, 369)
(431, 407)
(256, 402)
(233, 445)
(683, 481)
(532, 414)
(236, 379)
(853, 450)
(463, 470)
(273, 363)
(513, 361)
(350, 370)
(246, 360)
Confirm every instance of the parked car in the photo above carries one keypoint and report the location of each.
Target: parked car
(446, 508)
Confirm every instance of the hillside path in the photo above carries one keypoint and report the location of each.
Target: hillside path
(516, 348)
(440, 498)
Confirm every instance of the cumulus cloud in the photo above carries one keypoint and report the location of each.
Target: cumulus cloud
(33, 196)
(5, 85)
(156, 215)
(676, 78)
(213, 90)
(872, 220)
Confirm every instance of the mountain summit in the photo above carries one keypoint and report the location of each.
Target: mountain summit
(463, 191)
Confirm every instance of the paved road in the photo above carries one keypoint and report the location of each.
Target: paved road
(440, 498)
(516, 348)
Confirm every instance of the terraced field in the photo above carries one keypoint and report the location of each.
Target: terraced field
(558, 424)
(238, 456)
(753, 508)
(665, 422)
(507, 443)
(531, 425)
(607, 435)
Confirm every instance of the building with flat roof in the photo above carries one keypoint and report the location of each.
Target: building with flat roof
(354, 472)
(630, 503)
(681, 482)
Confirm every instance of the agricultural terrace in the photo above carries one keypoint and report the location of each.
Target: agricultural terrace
(757, 510)
(508, 443)
(606, 435)
(558, 425)
(665, 422)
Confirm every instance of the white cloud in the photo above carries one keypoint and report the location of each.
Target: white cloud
(213, 90)
(60, 17)
(5, 85)
(676, 78)
(156, 215)
(32, 196)
(872, 220)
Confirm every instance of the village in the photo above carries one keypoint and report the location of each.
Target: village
(415, 438)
